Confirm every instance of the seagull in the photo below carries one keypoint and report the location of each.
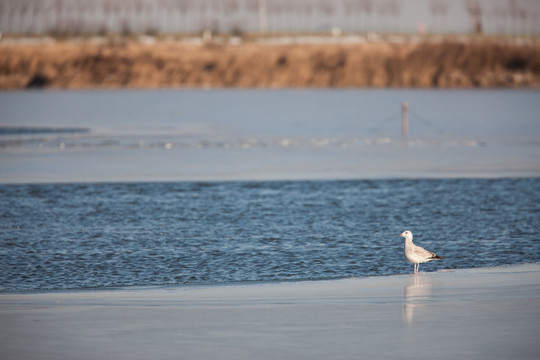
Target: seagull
(416, 254)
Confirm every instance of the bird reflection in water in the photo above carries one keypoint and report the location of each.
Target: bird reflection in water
(417, 290)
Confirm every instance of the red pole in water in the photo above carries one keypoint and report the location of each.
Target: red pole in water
(404, 120)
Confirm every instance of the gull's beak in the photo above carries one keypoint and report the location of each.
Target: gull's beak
(402, 234)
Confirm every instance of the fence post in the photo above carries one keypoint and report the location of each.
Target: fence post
(404, 120)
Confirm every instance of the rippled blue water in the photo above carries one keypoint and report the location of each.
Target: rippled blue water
(71, 236)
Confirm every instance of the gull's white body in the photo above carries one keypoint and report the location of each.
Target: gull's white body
(416, 254)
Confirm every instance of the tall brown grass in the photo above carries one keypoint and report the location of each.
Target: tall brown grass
(181, 65)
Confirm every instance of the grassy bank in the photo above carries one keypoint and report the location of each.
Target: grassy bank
(131, 64)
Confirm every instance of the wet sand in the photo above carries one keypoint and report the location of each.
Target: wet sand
(490, 313)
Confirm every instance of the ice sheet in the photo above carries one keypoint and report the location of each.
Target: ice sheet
(490, 313)
(63, 136)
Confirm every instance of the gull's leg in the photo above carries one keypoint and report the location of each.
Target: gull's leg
(417, 268)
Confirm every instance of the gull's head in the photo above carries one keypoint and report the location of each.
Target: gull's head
(407, 235)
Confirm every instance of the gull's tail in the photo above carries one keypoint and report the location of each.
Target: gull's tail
(437, 257)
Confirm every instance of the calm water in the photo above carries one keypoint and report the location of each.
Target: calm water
(71, 236)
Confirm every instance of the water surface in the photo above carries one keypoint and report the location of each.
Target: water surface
(72, 236)
(128, 188)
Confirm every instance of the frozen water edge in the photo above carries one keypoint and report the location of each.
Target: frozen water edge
(260, 163)
(485, 313)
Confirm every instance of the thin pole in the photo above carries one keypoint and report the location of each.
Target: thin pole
(404, 120)
(263, 17)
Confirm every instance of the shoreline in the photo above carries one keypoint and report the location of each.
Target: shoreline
(483, 313)
(163, 64)
(251, 283)
(463, 175)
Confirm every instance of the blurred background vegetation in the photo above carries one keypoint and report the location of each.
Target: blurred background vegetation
(75, 17)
